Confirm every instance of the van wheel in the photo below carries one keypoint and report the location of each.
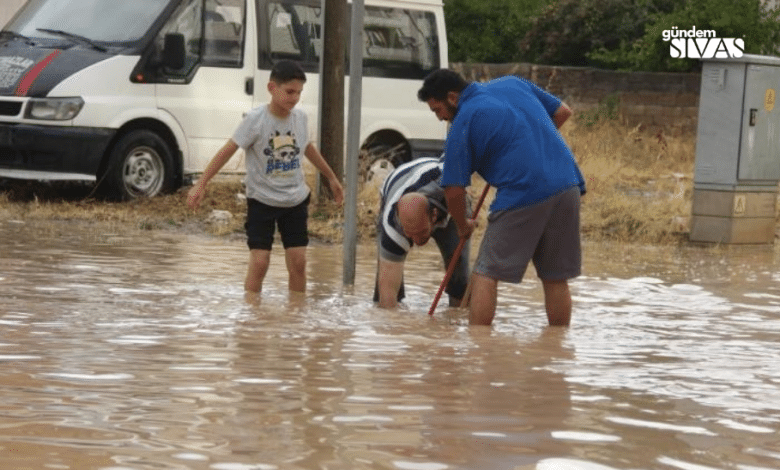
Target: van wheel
(378, 160)
(140, 165)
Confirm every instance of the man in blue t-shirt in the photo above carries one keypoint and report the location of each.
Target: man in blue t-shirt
(506, 130)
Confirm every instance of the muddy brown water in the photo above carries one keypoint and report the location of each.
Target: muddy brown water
(136, 350)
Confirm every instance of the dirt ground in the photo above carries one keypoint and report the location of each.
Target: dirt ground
(222, 212)
(639, 190)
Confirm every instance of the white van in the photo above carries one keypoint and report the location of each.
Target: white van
(135, 95)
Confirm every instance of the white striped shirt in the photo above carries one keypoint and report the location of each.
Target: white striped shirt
(422, 176)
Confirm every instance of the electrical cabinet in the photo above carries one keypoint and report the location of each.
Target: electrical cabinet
(737, 151)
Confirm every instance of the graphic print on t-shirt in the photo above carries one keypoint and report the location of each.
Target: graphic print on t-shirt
(283, 155)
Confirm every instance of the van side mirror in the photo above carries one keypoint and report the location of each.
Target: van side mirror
(173, 51)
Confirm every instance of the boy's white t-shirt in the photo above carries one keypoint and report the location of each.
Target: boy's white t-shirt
(274, 151)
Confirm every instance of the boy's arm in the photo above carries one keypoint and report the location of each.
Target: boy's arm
(316, 158)
(198, 191)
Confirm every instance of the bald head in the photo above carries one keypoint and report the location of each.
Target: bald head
(415, 217)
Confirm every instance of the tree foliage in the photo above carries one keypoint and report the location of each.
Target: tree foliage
(757, 25)
(487, 31)
(613, 34)
(567, 31)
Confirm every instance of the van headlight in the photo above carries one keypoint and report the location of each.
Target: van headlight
(54, 109)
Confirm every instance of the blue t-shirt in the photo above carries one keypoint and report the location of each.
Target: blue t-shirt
(517, 92)
(503, 130)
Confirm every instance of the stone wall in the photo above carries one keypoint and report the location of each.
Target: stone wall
(650, 98)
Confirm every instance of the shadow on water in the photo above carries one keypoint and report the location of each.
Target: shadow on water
(137, 351)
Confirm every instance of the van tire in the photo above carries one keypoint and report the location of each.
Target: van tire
(140, 165)
(379, 159)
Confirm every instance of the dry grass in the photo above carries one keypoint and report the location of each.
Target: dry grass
(639, 190)
(63, 202)
(639, 181)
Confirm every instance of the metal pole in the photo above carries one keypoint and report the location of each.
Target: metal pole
(353, 140)
(320, 97)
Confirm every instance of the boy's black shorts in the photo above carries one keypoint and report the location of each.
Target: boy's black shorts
(262, 219)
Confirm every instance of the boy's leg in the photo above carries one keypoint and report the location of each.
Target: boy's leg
(294, 230)
(260, 234)
(295, 258)
(557, 302)
(257, 269)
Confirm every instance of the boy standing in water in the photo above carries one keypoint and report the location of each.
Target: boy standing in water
(273, 135)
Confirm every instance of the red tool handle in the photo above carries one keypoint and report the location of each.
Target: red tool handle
(456, 255)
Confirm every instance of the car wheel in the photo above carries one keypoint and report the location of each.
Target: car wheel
(140, 165)
(379, 160)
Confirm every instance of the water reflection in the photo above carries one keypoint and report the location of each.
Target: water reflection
(137, 351)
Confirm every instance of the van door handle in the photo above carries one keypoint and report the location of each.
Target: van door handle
(249, 86)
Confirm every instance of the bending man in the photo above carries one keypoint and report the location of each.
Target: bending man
(414, 209)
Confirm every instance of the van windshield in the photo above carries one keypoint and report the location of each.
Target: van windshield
(108, 21)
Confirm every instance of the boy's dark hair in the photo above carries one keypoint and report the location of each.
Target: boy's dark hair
(440, 82)
(287, 70)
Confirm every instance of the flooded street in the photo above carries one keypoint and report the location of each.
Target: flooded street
(136, 350)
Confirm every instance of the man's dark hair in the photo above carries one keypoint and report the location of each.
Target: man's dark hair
(440, 82)
(287, 70)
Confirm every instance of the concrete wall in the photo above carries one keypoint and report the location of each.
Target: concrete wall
(8, 8)
(650, 98)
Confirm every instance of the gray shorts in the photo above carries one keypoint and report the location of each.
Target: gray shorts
(547, 232)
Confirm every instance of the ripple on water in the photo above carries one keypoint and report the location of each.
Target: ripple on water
(147, 356)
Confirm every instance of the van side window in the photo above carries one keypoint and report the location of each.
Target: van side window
(398, 42)
(295, 33)
(186, 20)
(223, 33)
